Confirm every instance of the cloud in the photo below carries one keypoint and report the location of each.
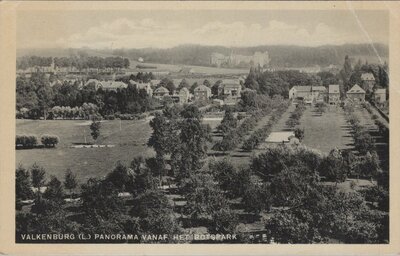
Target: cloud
(148, 32)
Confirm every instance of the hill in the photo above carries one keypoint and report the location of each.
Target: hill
(198, 55)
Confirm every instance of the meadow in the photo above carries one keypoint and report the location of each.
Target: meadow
(128, 137)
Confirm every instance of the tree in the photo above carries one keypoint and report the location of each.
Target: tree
(256, 198)
(155, 213)
(293, 185)
(23, 189)
(183, 84)
(193, 142)
(54, 190)
(228, 122)
(333, 167)
(285, 228)
(118, 177)
(223, 221)
(345, 73)
(321, 107)
(203, 196)
(299, 133)
(70, 181)
(363, 142)
(38, 177)
(248, 100)
(95, 129)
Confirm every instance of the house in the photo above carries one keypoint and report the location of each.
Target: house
(184, 95)
(232, 89)
(217, 102)
(380, 95)
(202, 93)
(112, 85)
(94, 82)
(333, 94)
(309, 93)
(154, 82)
(160, 92)
(368, 81)
(356, 94)
(142, 86)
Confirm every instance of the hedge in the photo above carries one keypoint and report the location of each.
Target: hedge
(26, 140)
(49, 140)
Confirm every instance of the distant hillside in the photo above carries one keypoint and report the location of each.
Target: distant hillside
(280, 55)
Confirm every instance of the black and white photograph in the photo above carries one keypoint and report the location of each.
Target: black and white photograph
(202, 126)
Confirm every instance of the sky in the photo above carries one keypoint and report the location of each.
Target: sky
(169, 28)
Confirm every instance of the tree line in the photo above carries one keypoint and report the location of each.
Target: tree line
(36, 98)
(79, 62)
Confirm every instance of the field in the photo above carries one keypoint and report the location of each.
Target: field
(194, 69)
(327, 131)
(129, 138)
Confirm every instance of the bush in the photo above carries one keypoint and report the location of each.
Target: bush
(109, 117)
(49, 140)
(26, 140)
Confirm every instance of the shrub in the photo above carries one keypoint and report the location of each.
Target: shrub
(49, 140)
(299, 133)
(109, 117)
(26, 140)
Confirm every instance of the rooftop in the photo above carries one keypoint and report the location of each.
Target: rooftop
(334, 88)
(279, 137)
(367, 77)
(356, 89)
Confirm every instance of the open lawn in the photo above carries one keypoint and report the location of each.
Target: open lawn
(327, 131)
(129, 138)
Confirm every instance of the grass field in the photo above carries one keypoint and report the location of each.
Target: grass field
(129, 138)
(327, 131)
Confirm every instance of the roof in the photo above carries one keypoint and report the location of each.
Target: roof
(161, 89)
(356, 89)
(279, 137)
(184, 89)
(113, 84)
(380, 91)
(232, 86)
(318, 88)
(231, 81)
(92, 81)
(305, 88)
(202, 87)
(334, 88)
(367, 77)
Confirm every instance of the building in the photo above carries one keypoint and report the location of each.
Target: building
(202, 93)
(106, 85)
(231, 88)
(333, 94)
(309, 93)
(160, 92)
(184, 95)
(380, 95)
(368, 81)
(356, 94)
(281, 137)
(258, 58)
(143, 86)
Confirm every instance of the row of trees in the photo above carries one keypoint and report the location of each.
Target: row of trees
(294, 118)
(261, 134)
(78, 62)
